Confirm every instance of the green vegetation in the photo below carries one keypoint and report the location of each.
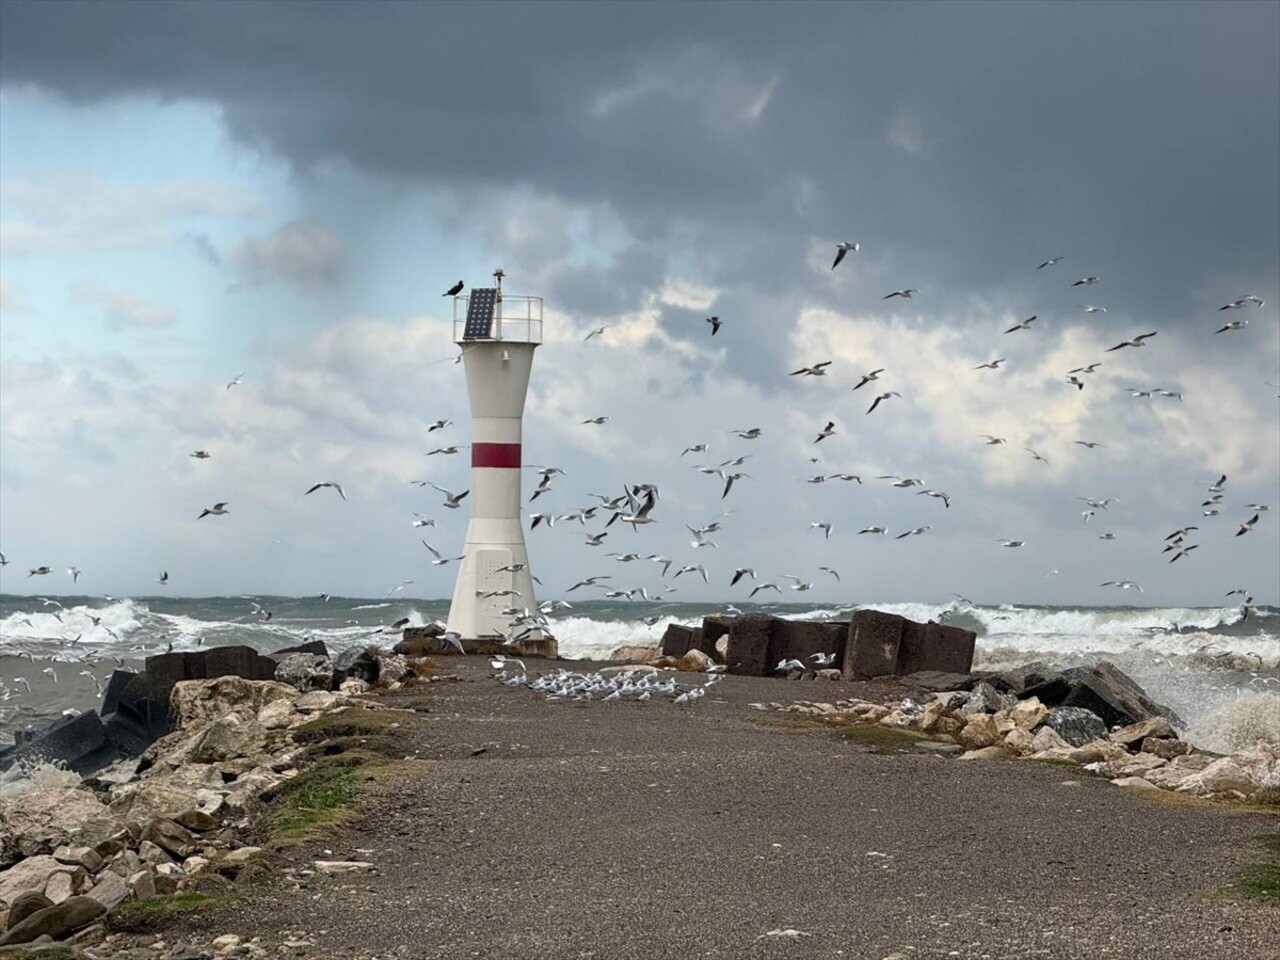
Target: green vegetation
(352, 722)
(39, 953)
(1261, 881)
(315, 798)
(882, 740)
(171, 906)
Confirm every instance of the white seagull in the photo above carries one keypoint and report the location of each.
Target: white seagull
(328, 483)
(842, 248)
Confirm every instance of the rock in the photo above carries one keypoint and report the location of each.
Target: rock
(1126, 766)
(633, 653)
(149, 852)
(1029, 714)
(1157, 727)
(173, 837)
(694, 661)
(1047, 738)
(33, 873)
(194, 865)
(356, 664)
(24, 905)
(1178, 770)
(827, 673)
(56, 922)
(1076, 725)
(319, 701)
(1134, 783)
(305, 672)
(1242, 772)
(242, 855)
(1019, 742)
(930, 715)
(1166, 748)
(905, 715)
(60, 887)
(938, 747)
(985, 753)
(198, 702)
(85, 857)
(1098, 751)
(35, 823)
(225, 942)
(353, 687)
(419, 641)
(940, 681)
(143, 885)
(1033, 680)
(984, 698)
(392, 668)
(980, 731)
(1110, 694)
(333, 867)
(224, 739)
(197, 820)
(277, 715)
(111, 889)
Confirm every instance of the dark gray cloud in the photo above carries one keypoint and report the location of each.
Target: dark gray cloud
(969, 140)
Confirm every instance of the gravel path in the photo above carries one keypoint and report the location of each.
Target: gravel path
(646, 831)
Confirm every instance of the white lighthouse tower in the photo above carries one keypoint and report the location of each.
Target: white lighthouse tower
(497, 334)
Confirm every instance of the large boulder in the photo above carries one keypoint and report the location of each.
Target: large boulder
(1135, 733)
(1108, 692)
(1244, 772)
(358, 663)
(306, 672)
(198, 702)
(33, 873)
(24, 905)
(57, 922)
(40, 821)
(1075, 725)
(1032, 680)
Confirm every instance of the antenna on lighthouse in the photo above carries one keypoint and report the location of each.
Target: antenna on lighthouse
(498, 334)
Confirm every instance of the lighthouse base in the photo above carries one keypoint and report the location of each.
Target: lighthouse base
(488, 590)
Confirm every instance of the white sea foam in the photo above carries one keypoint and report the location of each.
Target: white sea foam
(596, 639)
(22, 778)
(1240, 721)
(52, 623)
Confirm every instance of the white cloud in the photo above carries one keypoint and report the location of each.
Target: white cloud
(69, 211)
(125, 310)
(300, 252)
(906, 131)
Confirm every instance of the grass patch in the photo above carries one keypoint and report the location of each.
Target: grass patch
(351, 722)
(1261, 881)
(881, 740)
(318, 797)
(172, 906)
(38, 953)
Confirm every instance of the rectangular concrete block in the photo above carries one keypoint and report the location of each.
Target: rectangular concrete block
(679, 639)
(748, 652)
(872, 648)
(713, 629)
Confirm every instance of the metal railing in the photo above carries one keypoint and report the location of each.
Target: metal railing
(516, 319)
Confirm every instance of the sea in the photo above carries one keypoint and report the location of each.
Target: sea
(1219, 669)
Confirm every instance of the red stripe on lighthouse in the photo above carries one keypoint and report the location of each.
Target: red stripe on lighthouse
(495, 455)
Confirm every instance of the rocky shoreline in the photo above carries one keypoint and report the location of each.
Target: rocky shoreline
(184, 817)
(180, 818)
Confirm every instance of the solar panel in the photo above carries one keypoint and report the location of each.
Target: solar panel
(480, 308)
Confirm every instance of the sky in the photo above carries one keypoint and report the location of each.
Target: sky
(192, 192)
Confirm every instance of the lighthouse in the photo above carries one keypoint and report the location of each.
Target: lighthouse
(497, 334)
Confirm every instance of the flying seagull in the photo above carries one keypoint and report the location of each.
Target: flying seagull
(328, 483)
(1024, 325)
(200, 454)
(452, 500)
(454, 290)
(1085, 282)
(843, 248)
(828, 431)
(831, 571)
(918, 531)
(716, 324)
(438, 425)
(741, 572)
(38, 572)
(868, 377)
(163, 579)
(751, 434)
(1233, 325)
(596, 420)
(1049, 263)
(1089, 308)
(817, 370)
(880, 397)
(217, 510)
(905, 294)
(1138, 341)
(1090, 444)
(236, 381)
(595, 333)
(822, 525)
(990, 364)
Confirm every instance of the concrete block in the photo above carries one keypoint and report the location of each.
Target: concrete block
(749, 645)
(679, 640)
(872, 648)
